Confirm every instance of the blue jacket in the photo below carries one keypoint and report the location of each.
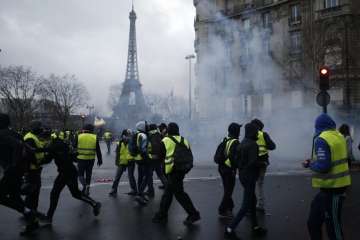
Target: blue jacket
(322, 150)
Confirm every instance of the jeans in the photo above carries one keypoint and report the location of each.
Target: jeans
(175, 187)
(131, 176)
(260, 187)
(108, 145)
(85, 171)
(119, 172)
(248, 181)
(69, 180)
(228, 179)
(142, 176)
(326, 207)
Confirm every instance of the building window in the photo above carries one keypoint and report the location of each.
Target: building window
(295, 42)
(331, 3)
(295, 13)
(266, 20)
(246, 24)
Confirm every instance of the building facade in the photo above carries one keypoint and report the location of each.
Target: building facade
(256, 57)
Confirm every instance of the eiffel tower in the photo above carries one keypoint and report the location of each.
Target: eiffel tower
(131, 107)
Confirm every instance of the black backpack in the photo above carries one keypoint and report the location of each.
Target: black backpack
(183, 157)
(133, 145)
(219, 157)
(155, 143)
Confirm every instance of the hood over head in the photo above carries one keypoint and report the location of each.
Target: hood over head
(258, 123)
(173, 129)
(251, 131)
(141, 126)
(324, 122)
(234, 130)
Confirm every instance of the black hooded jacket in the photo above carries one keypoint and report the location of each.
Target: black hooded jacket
(247, 152)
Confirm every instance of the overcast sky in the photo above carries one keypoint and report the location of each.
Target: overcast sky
(89, 38)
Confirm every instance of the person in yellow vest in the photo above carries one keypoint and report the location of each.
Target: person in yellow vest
(176, 175)
(107, 139)
(265, 144)
(122, 159)
(37, 159)
(227, 170)
(88, 148)
(331, 176)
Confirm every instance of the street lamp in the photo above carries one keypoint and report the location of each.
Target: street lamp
(189, 57)
(82, 120)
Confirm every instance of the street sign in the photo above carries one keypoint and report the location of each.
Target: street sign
(323, 99)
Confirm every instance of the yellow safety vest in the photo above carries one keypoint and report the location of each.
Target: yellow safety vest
(107, 135)
(170, 149)
(38, 155)
(339, 174)
(229, 143)
(138, 157)
(262, 144)
(86, 146)
(124, 154)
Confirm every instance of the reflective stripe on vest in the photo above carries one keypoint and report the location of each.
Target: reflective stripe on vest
(170, 149)
(339, 174)
(124, 154)
(262, 144)
(86, 146)
(229, 143)
(39, 155)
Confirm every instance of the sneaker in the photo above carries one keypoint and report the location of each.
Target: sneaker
(141, 200)
(132, 193)
(96, 209)
(30, 228)
(226, 214)
(230, 234)
(259, 231)
(192, 218)
(159, 218)
(113, 194)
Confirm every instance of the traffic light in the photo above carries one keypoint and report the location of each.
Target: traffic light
(324, 83)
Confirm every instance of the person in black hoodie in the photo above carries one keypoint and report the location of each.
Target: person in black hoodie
(67, 176)
(13, 165)
(248, 165)
(265, 144)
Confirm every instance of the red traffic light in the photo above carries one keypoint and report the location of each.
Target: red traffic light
(324, 82)
(324, 71)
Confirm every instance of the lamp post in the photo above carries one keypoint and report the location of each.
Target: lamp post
(82, 120)
(189, 57)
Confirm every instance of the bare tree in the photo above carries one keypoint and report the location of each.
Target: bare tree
(20, 88)
(66, 93)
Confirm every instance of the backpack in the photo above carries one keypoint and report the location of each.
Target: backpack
(155, 143)
(183, 157)
(219, 157)
(133, 145)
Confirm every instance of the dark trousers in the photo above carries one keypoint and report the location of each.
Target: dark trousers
(34, 179)
(85, 168)
(228, 177)
(108, 145)
(155, 166)
(175, 187)
(119, 172)
(131, 176)
(249, 201)
(143, 174)
(10, 195)
(69, 180)
(326, 207)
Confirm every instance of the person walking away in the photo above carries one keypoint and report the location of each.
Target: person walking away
(345, 131)
(156, 160)
(138, 149)
(60, 151)
(108, 138)
(247, 162)
(265, 144)
(37, 159)
(87, 145)
(122, 159)
(12, 168)
(179, 161)
(331, 176)
(163, 132)
(225, 158)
